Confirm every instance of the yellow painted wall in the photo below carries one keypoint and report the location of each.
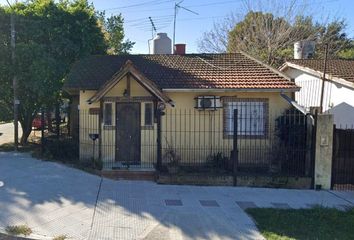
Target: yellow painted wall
(194, 134)
(198, 135)
(89, 124)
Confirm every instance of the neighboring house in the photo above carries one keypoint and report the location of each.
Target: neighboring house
(338, 91)
(122, 95)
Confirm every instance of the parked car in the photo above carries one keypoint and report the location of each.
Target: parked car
(37, 122)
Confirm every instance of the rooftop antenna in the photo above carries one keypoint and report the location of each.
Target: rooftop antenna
(178, 6)
(153, 28)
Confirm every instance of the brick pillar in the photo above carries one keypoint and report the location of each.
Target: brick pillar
(324, 148)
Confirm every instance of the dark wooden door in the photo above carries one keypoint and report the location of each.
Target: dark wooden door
(128, 133)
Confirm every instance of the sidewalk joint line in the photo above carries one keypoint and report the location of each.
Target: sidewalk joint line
(98, 194)
(351, 203)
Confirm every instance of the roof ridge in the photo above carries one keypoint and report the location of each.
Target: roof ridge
(147, 54)
(266, 65)
(318, 59)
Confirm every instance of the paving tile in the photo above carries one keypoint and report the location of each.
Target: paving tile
(173, 202)
(281, 205)
(209, 203)
(244, 205)
(135, 209)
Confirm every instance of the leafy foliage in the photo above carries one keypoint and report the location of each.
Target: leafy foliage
(271, 38)
(291, 130)
(50, 37)
(347, 53)
(268, 30)
(218, 160)
(64, 150)
(114, 27)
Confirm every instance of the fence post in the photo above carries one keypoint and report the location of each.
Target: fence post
(57, 120)
(159, 145)
(42, 131)
(235, 150)
(309, 132)
(324, 154)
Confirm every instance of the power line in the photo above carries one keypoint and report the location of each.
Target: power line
(178, 6)
(9, 4)
(150, 3)
(155, 17)
(147, 22)
(212, 4)
(198, 5)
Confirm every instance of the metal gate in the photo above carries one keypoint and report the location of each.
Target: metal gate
(282, 146)
(343, 159)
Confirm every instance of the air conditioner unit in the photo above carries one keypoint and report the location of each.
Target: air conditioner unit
(208, 102)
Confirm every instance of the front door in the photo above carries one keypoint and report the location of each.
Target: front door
(128, 133)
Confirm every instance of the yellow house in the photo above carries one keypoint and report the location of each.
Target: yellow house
(149, 111)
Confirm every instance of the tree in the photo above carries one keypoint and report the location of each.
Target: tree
(114, 27)
(216, 39)
(334, 35)
(5, 65)
(269, 33)
(262, 35)
(51, 36)
(347, 53)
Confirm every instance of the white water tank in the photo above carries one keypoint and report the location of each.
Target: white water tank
(161, 44)
(304, 49)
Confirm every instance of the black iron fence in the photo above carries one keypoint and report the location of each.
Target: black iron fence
(343, 158)
(204, 141)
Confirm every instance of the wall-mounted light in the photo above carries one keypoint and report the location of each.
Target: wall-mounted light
(161, 106)
(125, 93)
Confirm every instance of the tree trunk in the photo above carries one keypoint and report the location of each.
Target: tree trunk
(26, 125)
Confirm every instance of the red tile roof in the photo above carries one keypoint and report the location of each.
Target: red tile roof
(338, 68)
(189, 71)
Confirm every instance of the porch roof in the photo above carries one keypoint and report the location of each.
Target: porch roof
(129, 68)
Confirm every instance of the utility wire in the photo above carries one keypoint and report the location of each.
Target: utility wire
(149, 3)
(9, 4)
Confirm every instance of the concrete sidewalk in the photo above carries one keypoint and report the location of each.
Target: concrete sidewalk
(56, 200)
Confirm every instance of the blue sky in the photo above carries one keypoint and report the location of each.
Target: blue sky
(190, 27)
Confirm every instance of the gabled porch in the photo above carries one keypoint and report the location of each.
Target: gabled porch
(124, 113)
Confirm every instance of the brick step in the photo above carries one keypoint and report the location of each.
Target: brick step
(129, 175)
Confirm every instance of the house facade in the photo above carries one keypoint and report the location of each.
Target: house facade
(176, 107)
(338, 89)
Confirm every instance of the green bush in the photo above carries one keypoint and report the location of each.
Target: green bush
(218, 160)
(65, 150)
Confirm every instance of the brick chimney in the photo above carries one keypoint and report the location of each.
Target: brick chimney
(179, 49)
